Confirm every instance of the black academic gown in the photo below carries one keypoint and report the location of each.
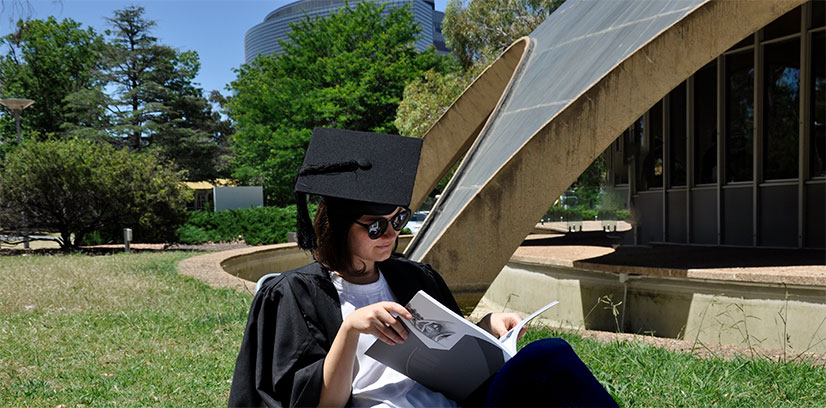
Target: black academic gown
(292, 323)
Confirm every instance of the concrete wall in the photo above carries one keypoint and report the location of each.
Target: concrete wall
(705, 311)
(251, 266)
(524, 288)
(816, 214)
(747, 320)
(254, 265)
(231, 198)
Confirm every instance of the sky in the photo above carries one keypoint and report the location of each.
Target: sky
(213, 28)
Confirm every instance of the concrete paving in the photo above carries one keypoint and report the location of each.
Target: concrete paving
(596, 250)
(599, 251)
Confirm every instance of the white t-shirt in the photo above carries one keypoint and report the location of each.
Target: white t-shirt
(375, 384)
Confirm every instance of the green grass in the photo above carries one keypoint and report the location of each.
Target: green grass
(123, 330)
(641, 375)
(127, 330)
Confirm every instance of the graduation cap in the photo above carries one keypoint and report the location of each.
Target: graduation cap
(368, 173)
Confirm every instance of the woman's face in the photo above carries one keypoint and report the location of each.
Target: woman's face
(368, 251)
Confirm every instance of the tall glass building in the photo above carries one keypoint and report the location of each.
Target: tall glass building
(262, 39)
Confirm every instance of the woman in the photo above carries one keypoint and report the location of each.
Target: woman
(308, 329)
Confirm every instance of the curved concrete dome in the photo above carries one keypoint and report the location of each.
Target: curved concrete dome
(591, 69)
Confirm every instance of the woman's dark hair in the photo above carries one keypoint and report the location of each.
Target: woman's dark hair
(332, 226)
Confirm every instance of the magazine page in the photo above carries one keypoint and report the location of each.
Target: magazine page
(455, 372)
(439, 327)
(508, 340)
(444, 351)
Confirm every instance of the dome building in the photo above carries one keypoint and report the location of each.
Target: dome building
(262, 39)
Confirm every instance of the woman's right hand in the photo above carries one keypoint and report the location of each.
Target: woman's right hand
(376, 319)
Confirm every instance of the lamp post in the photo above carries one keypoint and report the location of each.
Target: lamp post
(16, 106)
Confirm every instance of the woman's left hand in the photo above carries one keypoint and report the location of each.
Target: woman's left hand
(498, 324)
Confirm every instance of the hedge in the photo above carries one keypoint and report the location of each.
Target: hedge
(577, 214)
(256, 226)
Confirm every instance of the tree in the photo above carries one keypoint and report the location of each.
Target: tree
(47, 61)
(16, 10)
(154, 102)
(189, 132)
(347, 70)
(76, 187)
(426, 99)
(138, 67)
(479, 30)
(476, 32)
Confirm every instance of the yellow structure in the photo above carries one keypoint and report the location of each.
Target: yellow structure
(560, 110)
(202, 192)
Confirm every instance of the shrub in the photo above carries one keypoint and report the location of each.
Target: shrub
(563, 214)
(607, 214)
(77, 187)
(578, 214)
(90, 239)
(263, 225)
(589, 214)
(190, 234)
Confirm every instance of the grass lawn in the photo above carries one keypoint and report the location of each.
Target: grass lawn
(122, 330)
(641, 375)
(127, 330)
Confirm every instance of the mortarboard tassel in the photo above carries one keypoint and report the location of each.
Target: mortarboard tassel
(305, 233)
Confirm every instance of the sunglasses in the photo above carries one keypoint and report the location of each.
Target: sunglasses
(378, 227)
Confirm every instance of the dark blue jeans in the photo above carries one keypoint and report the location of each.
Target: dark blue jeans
(545, 373)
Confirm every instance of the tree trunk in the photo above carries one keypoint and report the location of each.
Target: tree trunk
(66, 240)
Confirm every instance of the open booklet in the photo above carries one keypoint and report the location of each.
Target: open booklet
(446, 352)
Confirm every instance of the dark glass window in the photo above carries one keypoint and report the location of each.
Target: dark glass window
(640, 149)
(626, 145)
(739, 116)
(818, 105)
(705, 124)
(781, 104)
(818, 13)
(618, 166)
(650, 163)
(677, 137)
(788, 24)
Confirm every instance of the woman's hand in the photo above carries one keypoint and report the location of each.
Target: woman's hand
(376, 319)
(498, 324)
